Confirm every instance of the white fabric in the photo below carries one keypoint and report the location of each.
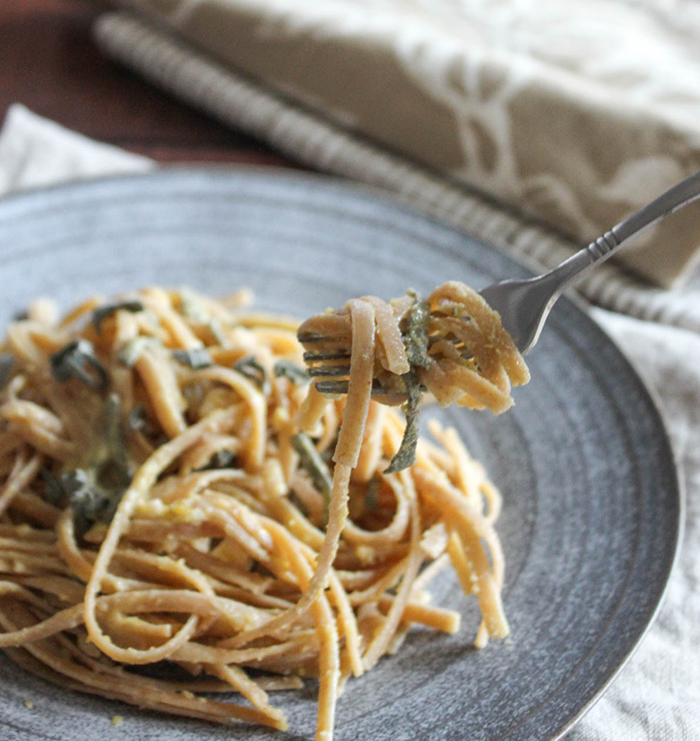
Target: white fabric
(195, 78)
(657, 695)
(35, 152)
(573, 112)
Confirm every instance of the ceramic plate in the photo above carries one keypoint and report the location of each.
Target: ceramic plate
(591, 510)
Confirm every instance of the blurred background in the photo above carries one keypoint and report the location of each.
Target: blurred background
(51, 64)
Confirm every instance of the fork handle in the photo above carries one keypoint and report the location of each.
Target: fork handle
(525, 304)
(673, 199)
(677, 197)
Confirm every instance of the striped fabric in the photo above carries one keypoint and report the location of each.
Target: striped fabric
(306, 138)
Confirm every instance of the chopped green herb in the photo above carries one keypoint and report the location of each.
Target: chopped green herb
(406, 454)
(371, 494)
(196, 310)
(115, 470)
(102, 312)
(77, 360)
(416, 335)
(286, 369)
(83, 494)
(54, 492)
(253, 371)
(220, 459)
(7, 364)
(90, 503)
(196, 358)
(314, 465)
(94, 492)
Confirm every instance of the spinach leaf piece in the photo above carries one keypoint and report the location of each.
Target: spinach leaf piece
(102, 312)
(314, 465)
(253, 371)
(77, 360)
(416, 335)
(196, 358)
(286, 369)
(405, 456)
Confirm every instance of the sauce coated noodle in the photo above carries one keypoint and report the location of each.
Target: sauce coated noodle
(175, 490)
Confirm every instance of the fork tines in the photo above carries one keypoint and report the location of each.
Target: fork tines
(326, 369)
(315, 356)
(341, 387)
(329, 370)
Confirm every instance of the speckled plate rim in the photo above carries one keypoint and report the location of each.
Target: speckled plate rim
(366, 191)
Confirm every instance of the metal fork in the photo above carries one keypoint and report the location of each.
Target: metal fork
(525, 304)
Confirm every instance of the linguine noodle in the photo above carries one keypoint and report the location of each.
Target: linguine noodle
(174, 489)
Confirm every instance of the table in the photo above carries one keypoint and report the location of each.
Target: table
(50, 63)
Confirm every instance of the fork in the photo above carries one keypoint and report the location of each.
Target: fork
(524, 305)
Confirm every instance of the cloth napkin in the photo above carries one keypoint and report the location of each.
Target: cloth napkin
(318, 142)
(656, 694)
(35, 152)
(575, 112)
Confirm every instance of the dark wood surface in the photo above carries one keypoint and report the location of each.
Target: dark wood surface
(49, 62)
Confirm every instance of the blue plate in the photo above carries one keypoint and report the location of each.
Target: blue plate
(591, 513)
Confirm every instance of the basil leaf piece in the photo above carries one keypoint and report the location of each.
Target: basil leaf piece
(84, 497)
(94, 492)
(197, 358)
(311, 461)
(77, 360)
(220, 459)
(286, 369)
(193, 307)
(416, 336)
(253, 371)
(7, 364)
(54, 491)
(90, 502)
(102, 312)
(371, 494)
(405, 456)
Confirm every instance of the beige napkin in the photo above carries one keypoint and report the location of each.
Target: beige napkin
(311, 139)
(576, 113)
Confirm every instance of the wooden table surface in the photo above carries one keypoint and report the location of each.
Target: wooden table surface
(49, 63)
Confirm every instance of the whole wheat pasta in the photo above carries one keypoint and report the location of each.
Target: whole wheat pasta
(172, 488)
